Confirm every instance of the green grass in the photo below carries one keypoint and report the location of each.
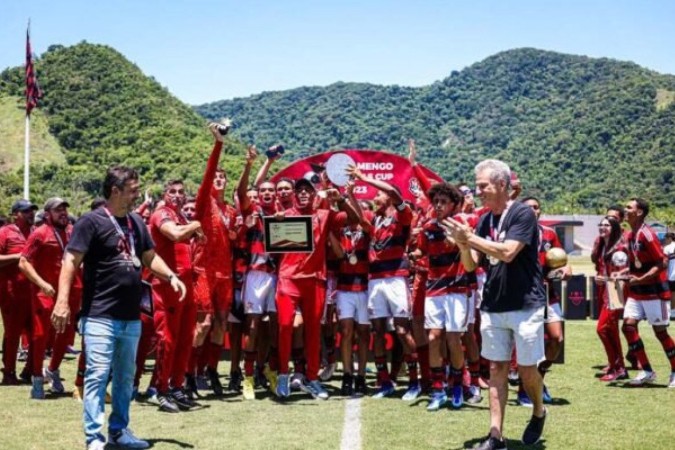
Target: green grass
(587, 414)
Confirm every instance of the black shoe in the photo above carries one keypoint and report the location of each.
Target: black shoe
(347, 389)
(191, 386)
(492, 443)
(235, 382)
(360, 385)
(534, 429)
(166, 403)
(181, 400)
(260, 382)
(214, 380)
(25, 376)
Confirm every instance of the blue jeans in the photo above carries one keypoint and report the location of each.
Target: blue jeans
(109, 345)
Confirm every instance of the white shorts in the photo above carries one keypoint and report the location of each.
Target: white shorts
(236, 303)
(259, 291)
(389, 297)
(353, 305)
(524, 328)
(449, 312)
(656, 312)
(554, 314)
(472, 308)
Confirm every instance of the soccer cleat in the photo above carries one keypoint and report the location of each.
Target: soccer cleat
(437, 400)
(457, 396)
(283, 386)
(53, 377)
(316, 390)
(473, 395)
(72, 350)
(534, 429)
(360, 387)
(546, 396)
(125, 438)
(347, 389)
(181, 400)
(214, 381)
(327, 372)
(78, 393)
(671, 381)
(96, 445)
(385, 390)
(491, 443)
(414, 391)
(248, 388)
(235, 382)
(524, 399)
(298, 382)
(614, 375)
(22, 355)
(151, 393)
(643, 377)
(271, 376)
(166, 403)
(37, 392)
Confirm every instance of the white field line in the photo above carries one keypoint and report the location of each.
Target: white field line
(351, 430)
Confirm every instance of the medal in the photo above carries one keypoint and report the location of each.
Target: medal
(136, 262)
(638, 264)
(353, 259)
(494, 261)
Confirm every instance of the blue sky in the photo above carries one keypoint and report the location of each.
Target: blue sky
(206, 50)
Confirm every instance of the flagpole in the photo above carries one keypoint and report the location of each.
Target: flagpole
(26, 160)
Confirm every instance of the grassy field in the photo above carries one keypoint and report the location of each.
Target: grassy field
(586, 414)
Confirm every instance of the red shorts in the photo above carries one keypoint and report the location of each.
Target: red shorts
(213, 298)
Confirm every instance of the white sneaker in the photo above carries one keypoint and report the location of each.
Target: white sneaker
(54, 380)
(671, 382)
(643, 377)
(96, 445)
(125, 438)
(327, 372)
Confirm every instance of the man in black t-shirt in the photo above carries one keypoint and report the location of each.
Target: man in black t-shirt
(113, 244)
(513, 297)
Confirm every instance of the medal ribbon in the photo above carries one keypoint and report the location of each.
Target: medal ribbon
(127, 239)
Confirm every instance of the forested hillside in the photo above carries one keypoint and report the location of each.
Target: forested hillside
(581, 132)
(102, 110)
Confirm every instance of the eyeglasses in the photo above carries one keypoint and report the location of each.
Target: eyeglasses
(466, 192)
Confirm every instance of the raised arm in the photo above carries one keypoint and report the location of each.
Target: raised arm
(204, 193)
(264, 170)
(242, 187)
(377, 184)
(425, 183)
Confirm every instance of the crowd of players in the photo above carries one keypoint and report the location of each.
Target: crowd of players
(383, 274)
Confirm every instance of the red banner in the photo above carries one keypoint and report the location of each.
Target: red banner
(389, 167)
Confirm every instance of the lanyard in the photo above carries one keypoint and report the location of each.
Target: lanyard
(634, 246)
(128, 240)
(59, 240)
(495, 236)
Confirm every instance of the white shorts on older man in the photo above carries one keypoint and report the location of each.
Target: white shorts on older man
(523, 328)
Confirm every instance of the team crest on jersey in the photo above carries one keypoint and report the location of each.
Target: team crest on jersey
(414, 187)
(547, 246)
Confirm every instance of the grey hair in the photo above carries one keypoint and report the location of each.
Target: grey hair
(499, 170)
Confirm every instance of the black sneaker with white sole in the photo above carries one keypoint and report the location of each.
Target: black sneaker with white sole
(181, 399)
(167, 404)
(491, 443)
(534, 429)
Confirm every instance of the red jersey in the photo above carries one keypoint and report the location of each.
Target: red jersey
(44, 250)
(388, 244)
(177, 255)
(12, 242)
(254, 242)
(309, 265)
(548, 239)
(354, 277)
(645, 253)
(446, 272)
(240, 257)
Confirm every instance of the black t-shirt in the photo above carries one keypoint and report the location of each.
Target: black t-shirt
(112, 285)
(516, 285)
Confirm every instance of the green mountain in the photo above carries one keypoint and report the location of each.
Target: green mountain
(581, 132)
(99, 109)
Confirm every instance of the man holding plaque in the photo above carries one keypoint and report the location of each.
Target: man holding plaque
(648, 293)
(514, 300)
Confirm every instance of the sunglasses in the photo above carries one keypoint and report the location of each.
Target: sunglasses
(466, 192)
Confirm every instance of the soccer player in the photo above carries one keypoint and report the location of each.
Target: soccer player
(41, 264)
(388, 291)
(648, 294)
(15, 290)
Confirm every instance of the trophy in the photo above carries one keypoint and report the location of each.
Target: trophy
(336, 168)
(224, 126)
(556, 258)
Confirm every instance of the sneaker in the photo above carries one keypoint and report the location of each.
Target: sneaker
(78, 393)
(524, 399)
(9, 379)
(283, 386)
(191, 386)
(214, 381)
(259, 380)
(166, 403)
(297, 382)
(546, 396)
(316, 390)
(492, 443)
(643, 377)
(327, 372)
(37, 392)
(457, 396)
(534, 429)
(53, 377)
(202, 382)
(125, 438)
(235, 382)
(385, 390)
(25, 376)
(671, 381)
(414, 391)
(437, 400)
(151, 393)
(249, 388)
(22, 355)
(70, 350)
(473, 395)
(96, 445)
(347, 389)
(271, 376)
(181, 400)
(360, 387)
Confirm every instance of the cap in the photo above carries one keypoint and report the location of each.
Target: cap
(23, 205)
(304, 182)
(55, 202)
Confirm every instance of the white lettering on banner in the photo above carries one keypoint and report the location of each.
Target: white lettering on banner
(375, 165)
(360, 189)
(384, 176)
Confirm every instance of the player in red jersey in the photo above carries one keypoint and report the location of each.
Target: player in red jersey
(41, 264)
(301, 283)
(448, 290)
(648, 295)
(388, 291)
(15, 290)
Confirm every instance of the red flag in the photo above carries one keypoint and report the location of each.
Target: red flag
(33, 92)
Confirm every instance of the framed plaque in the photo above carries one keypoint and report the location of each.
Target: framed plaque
(289, 235)
(615, 295)
(147, 306)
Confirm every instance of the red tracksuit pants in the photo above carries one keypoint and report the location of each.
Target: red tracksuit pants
(16, 306)
(608, 331)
